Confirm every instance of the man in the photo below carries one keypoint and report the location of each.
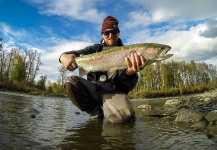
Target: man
(97, 92)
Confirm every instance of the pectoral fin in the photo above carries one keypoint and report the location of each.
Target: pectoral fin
(82, 72)
(111, 73)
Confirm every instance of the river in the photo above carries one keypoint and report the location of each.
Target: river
(35, 122)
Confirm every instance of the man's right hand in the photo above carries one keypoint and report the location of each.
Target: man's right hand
(68, 61)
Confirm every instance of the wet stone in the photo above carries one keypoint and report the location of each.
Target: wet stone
(212, 116)
(188, 116)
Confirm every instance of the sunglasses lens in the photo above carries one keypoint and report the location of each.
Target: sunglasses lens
(114, 32)
(106, 33)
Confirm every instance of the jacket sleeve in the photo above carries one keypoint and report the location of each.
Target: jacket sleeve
(85, 51)
(126, 82)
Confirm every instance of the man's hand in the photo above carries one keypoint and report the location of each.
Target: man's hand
(68, 61)
(135, 64)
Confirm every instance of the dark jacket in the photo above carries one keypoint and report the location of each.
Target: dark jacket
(121, 82)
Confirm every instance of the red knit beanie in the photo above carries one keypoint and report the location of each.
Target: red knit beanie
(110, 22)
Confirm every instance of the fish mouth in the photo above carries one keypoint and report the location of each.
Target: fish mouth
(165, 50)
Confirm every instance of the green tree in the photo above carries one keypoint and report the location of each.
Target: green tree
(18, 70)
(41, 83)
(55, 88)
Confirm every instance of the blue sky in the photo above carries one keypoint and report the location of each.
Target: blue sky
(55, 26)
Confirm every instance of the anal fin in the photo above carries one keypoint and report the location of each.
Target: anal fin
(82, 72)
(111, 73)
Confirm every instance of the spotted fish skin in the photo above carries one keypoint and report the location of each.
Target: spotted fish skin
(113, 58)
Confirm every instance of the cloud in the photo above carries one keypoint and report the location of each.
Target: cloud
(186, 44)
(26, 39)
(49, 47)
(8, 31)
(211, 29)
(189, 27)
(138, 19)
(149, 12)
(50, 59)
(76, 9)
(14, 37)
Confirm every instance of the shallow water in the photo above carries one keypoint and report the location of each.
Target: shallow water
(32, 122)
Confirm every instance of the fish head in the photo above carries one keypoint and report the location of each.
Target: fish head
(162, 50)
(157, 52)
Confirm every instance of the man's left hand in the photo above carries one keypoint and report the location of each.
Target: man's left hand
(135, 63)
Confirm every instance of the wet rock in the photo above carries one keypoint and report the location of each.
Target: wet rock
(213, 102)
(184, 106)
(158, 111)
(170, 111)
(32, 112)
(212, 127)
(188, 116)
(215, 106)
(145, 106)
(77, 113)
(172, 102)
(154, 112)
(193, 99)
(197, 111)
(212, 116)
(32, 116)
(207, 100)
(199, 126)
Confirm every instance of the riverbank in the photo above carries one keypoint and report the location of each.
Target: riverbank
(195, 111)
(35, 93)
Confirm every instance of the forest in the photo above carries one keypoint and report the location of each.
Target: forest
(18, 70)
(175, 78)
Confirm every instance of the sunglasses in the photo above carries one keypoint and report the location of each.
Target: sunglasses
(106, 33)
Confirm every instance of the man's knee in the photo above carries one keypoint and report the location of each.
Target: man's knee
(70, 82)
(117, 108)
(72, 79)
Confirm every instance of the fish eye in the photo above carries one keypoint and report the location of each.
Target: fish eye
(161, 48)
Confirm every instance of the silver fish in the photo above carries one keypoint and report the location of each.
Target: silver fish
(113, 58)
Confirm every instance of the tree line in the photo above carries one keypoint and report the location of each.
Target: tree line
(175, 78)
(18, 70)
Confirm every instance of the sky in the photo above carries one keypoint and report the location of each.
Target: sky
(55, 26)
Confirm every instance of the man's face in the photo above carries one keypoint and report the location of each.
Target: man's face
(110, 37)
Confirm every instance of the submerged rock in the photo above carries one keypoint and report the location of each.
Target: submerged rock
(172, 102)
(145, 106)
(196, 111)
(199, 126)
(207, 100)
(188, 116)
(154, 111)
(32, 112)
(212, 116)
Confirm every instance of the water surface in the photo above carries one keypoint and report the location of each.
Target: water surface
(34, 122)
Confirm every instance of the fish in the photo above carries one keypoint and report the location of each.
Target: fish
(112, 58)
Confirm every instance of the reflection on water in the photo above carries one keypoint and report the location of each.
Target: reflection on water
(99, 135)
(31, 122)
